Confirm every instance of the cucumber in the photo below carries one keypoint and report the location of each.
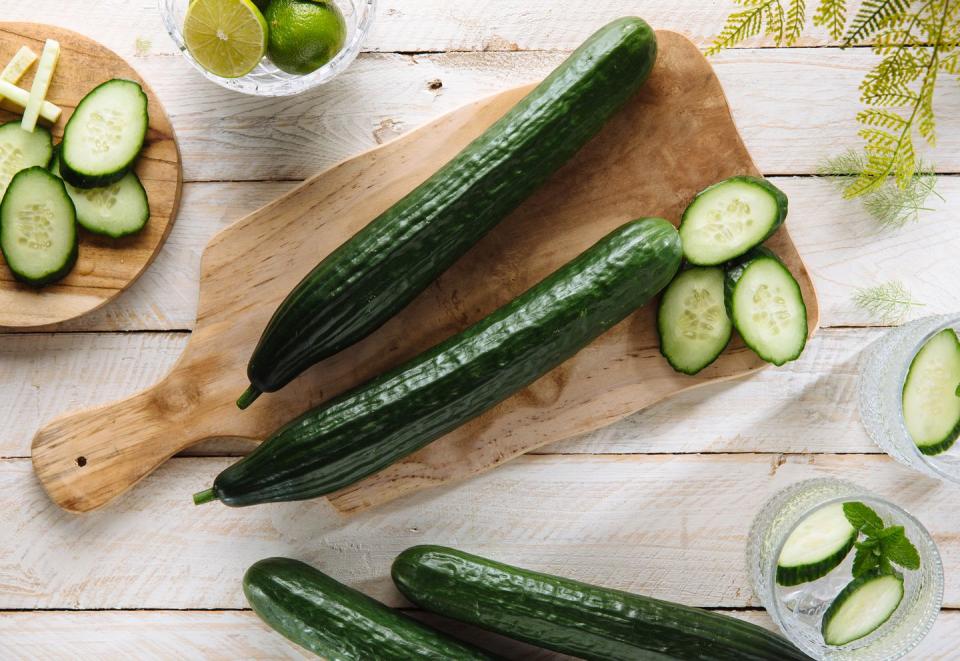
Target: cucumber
(729, 218)
(375, 274)
(931, 399)
(862, 607)
(338, 622)
(692, 320)
(104, 135)
(49, 57)
(816, 546)
(116, 210)
(575, 618)
(765, 303)
(21, 149)
(38, 231)
(370, 427)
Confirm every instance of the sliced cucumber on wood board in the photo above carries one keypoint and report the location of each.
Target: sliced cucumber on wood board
(20, 149)
(692, 319)
(115, 210)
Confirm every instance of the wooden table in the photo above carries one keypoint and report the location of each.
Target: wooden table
(659, 504)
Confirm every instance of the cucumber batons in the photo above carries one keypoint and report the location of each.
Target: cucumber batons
(862, 607)
(765, 303)
(692, 319)
(816, 546)
(931, 405)
(727, 219)
(38, 231)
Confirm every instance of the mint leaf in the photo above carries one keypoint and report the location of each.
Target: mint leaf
(892, 531)
(863, 518)
(864, 561)
(897, 548)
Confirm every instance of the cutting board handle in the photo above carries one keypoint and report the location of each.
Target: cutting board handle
(121, 443)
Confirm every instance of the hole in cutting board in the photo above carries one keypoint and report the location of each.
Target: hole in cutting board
(81, 461)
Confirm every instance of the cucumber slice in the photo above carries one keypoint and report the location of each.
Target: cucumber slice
(20, 149)
(729, 218)
(931, 405)
(117, 210)
(41, 84)
(816, 546)
(766, 306)
(104, 134)
(862, 607)
(38, 231)
(692, 320)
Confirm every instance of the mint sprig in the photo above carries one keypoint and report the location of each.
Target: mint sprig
(883, 546)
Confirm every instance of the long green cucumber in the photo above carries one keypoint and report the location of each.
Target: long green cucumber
(370, 427)
(377, 272)
(337, 622)
(575, 618)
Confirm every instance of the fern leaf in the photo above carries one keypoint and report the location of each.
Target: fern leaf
(796, 17)
(872, 15)
(740, 26)
(773, 13)
(881, 118)
(832, 15)
(889, 302)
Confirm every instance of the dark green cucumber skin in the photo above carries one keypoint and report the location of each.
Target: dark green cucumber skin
(942, 446)
(370, 427)
(575, 618)
(86, 180)
(339, 623)
(71, 260)
(376, 273)
(847, 592)
(734, 272)
(779, 196)
(787, 576)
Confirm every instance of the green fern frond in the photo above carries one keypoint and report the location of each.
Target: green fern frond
(796, 17)
(775, 20)
(832, 15)
(889, 302)
(872, 16)
(883, 118)
(740, 26)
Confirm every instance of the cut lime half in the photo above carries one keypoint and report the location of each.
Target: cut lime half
(226, 37)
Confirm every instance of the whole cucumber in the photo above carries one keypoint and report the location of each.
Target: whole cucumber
(377, 423)
(339, 623)
(576, 618)
(376, 273)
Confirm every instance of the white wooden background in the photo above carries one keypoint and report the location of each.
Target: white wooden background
(659, 504)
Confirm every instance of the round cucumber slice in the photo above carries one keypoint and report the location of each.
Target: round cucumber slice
(862, 607)
(729, 218)
(115, 210)
(20, 149)
(816, 546)
(931, 405)
(692, 321)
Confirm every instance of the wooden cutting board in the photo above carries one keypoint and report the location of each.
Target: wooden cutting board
(673, 139)
(105, 266)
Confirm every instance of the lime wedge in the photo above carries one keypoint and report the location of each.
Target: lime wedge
(226, 37)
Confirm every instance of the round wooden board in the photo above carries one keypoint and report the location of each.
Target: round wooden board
(105, 266)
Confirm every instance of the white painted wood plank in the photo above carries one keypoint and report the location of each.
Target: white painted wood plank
(421, 25)
(229, 635)
(673, 527)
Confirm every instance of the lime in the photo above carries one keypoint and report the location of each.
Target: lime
(226, 37)
(304, 34)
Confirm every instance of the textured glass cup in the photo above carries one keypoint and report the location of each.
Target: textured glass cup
(798, 610)
(882, 375)
(266, 79)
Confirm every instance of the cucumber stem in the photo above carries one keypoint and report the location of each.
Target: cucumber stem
(204, 496)
(248, 397)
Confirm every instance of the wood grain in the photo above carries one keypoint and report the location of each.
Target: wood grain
(670, 526)
(230, 635)
(649, 160)
(105, 267)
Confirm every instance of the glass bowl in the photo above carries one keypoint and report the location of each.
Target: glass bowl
(923, 588)
(266, 79)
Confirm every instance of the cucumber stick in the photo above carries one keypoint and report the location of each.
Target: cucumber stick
(816, 546)
(18, 65)
(862, 607)
(765, 303)
(104, 135)
(729, 218)
(20, 150)
(337, 622)
(931, 394)
(20, 97)
(692, 320)
(375, 274)
(575, 618)
(41, 83)
(370, 427)
(115, 210)
(38, 233)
